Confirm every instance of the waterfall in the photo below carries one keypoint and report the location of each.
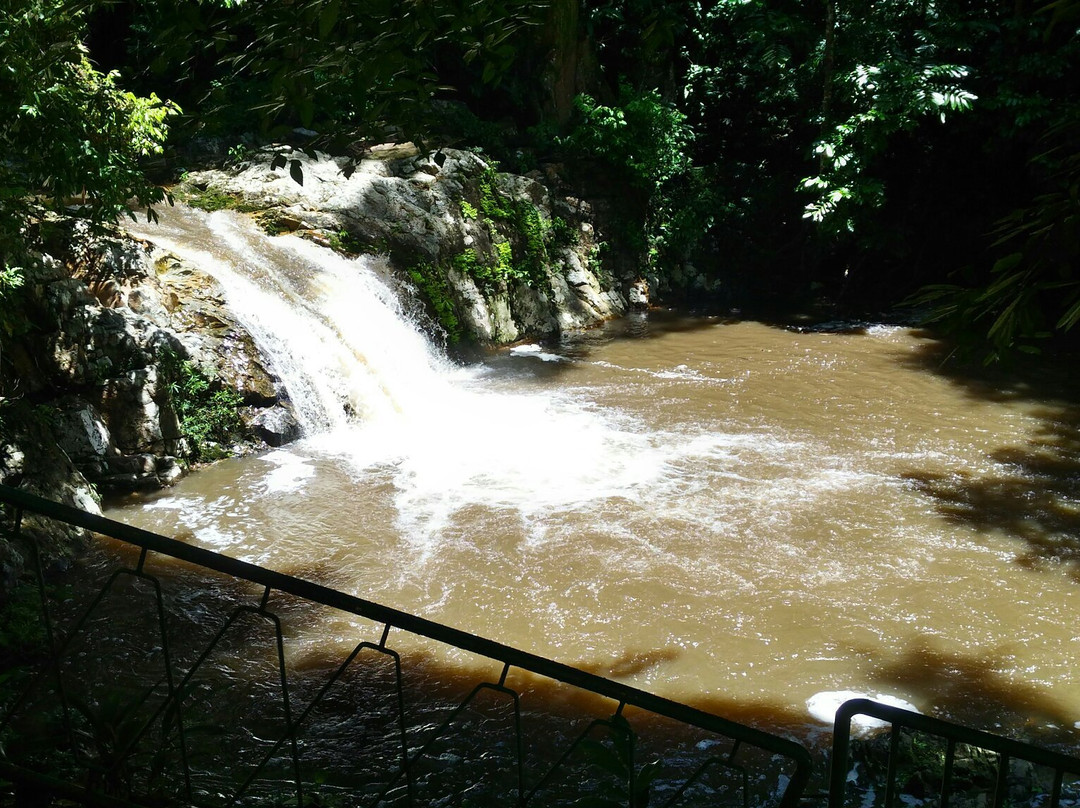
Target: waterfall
(332, 327)
(369, 388)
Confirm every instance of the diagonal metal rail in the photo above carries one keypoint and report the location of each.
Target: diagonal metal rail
(170, 712)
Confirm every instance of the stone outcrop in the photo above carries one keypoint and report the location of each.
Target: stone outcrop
(497, 254)
(105, 316)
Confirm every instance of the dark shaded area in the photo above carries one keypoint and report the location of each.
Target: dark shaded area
(973, 691)
(1034, 496)
(460, 723)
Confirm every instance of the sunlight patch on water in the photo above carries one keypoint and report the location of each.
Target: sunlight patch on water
(289, 473)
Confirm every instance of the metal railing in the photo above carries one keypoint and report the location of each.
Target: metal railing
(1006, 751)
(164, 710)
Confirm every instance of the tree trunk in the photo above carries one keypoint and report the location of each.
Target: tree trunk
(569, 64)
(828, 67)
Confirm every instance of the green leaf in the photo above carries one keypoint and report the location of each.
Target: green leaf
(1070, 317)
(328, 18)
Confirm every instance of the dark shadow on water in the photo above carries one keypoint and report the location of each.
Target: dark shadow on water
(629, 663)
(1032, 497)
(1033, 494)
(352, 738)
(973, 690)
(1042, 378)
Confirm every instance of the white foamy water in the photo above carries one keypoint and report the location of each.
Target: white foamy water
(372, 391)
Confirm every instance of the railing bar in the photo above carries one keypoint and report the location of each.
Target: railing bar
(39, 579)
(405, 767)
(265, 599)
(57, 653)
(946, 729)
(838, 762)
(385, 635)
(306, 712)
(734, 751)
(308, 590)
(520, 749)
(946, 775)
(1002, 781)
(1055, 793)
(167, 661)
(694, 775)
(890, 776)
(438, 732)
(191, 672)
(289, 727)
(142, 561)
(167, 654)
(631, 773)
(50, 635)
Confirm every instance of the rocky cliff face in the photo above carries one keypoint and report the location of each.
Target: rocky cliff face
(497, 257)
(89, 384)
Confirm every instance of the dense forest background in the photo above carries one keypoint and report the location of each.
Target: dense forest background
(864, 152)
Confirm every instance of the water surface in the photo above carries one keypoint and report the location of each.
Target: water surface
(730, 513)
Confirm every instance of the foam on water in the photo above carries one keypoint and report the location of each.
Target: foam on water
(376, 396)
(536, 351)
(290, 471)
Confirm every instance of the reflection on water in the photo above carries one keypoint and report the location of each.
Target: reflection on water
(725, 513)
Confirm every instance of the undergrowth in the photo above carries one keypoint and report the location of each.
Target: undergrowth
(435, 291)
(206, 409)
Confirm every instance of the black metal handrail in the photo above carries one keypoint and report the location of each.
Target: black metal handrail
(510, 657)
(1006, 749)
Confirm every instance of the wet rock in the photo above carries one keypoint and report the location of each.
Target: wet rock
(106, 316)
(275, 425)
(428, 210)
(133, 464)
(638, 295)
(81, 432)
(169, 470)
(137, 409)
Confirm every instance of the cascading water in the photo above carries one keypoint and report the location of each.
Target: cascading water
(726, 513)
(371, 390)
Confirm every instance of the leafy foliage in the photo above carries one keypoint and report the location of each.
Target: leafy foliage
(433, 288)
(207, 411)
(857, 147)
(69, 133)
(889, 98)
(647, 142)
(1034, 289)
(341, 68)
(73, 132)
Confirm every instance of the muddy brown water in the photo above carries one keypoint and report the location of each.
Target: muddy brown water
(751, 518)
